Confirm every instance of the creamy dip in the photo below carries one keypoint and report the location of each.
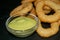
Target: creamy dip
(22, 23)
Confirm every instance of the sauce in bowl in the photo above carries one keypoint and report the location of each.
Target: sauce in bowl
(22, 23)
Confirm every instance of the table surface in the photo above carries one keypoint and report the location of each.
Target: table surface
(6, 6)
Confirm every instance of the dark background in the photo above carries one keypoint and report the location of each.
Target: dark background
(6, 6)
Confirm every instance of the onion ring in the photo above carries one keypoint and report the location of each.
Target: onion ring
(43, 32)
(22, 9)
(59, 22)
(46, 8)
(46, 18)
(25, 1)
(56, 1)
(33, 11)
(35, 3)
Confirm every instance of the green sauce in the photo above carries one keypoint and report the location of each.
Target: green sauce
(22, 23)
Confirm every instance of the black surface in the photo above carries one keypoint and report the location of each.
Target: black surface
(6, 6)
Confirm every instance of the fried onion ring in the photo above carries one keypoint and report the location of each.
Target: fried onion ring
(56, 1)
(22, 9)
(46, 18)
(47, 32)
(33, 11)
(46, 8)
(59, 22)
(25, 1)
(35, 3)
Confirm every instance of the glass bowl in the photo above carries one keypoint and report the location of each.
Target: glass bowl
(22, 33)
